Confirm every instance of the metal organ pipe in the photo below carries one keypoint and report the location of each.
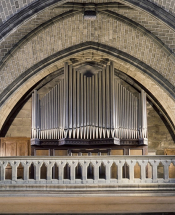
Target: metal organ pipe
(78, 103)
(82, 106)
(107, 102)
(104, 101)
(74, 117)
(70, 100)
(98, 106)
(85, 108)
(93, 105)
(112, 101)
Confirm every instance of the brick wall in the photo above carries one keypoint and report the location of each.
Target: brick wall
(105, 30)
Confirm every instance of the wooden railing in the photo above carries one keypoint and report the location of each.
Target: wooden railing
(87, 170)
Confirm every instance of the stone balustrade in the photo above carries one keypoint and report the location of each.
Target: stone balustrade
(88, 170)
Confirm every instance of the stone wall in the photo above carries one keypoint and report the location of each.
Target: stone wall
(20, 123)
(8, 8)
(159, 138)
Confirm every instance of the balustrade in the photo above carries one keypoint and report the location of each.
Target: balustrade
(84, 165)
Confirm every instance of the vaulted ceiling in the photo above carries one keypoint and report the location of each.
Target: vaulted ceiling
(37, 37)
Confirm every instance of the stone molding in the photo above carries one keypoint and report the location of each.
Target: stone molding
(82, 47)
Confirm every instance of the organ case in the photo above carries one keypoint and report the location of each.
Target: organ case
(89, 108)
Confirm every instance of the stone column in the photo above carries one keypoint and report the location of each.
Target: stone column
(96, 165)
(108, 165)
(119, 164)
(154, 165)
(3, 165)
(49, 166)
(14, 165)
(166, 169)
(37, 166)
(26, 165)
(131, 169)
(61, 165)
(84, 165)
(143, 164)
(72, 165)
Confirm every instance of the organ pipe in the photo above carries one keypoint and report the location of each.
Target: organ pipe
(89, 107)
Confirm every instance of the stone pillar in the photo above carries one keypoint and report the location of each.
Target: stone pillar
(14, 166)
(37, 166)
(131, 169)
(154, 165)
(96, 165)
(72, 165)
(119, 164)
(61, 165)
(3, 166)
(84, 165)
(166, 169)
(26, 166)
(108, 165)
(143, 164)
(49, 166)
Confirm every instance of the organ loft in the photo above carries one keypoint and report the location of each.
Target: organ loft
(89, 110)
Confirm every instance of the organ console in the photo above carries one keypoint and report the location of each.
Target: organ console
(88, 108)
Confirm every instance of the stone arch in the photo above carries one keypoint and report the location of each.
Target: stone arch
(125, 64)
(16, 17)
(137, 45)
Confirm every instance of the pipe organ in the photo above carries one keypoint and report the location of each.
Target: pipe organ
(87, 106)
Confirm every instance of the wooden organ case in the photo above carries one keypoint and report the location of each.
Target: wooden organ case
(89, 111)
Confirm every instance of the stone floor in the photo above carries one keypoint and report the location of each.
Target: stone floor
(90, 204)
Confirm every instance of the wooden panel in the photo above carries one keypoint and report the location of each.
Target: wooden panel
(84, 154)
(2, 148)
(10, 149)
(137, 170)
(15, 146)
(136, 152)
(117, 152)
(171, 171)
(169, 151)
(60, 152)
(8, 172)
(22, 148)
(43, 152)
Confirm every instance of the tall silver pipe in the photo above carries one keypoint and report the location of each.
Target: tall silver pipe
(119, 108)
(96, 100)
(66, 96)
(52, 110)
(74, 99)
(70, 100)
(82, 100)
(78, 99)
(93, 100)
(85, 108)
(88, 101)
(112, 100)
(130, 116)
(100, 99)
(127, 136)
(32, 115)
(56, 106)
(104, 96)
(108, 124)
(137, 118)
